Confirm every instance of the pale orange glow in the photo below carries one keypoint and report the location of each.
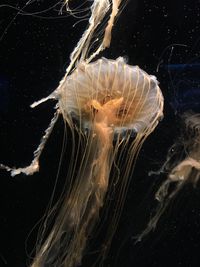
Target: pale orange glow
(103, 103)
(110, 99)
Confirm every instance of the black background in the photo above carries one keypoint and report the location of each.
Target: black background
(159, 36)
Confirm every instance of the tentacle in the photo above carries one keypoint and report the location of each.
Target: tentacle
(34, 166)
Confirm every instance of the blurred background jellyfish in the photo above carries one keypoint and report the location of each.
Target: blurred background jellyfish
(182, 163)
(182, 166)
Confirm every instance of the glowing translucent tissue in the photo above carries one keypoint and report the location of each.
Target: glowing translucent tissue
(112, 107)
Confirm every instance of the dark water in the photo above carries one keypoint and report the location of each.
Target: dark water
(163, 39)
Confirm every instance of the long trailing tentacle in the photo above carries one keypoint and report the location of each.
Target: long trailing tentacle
(34, 166)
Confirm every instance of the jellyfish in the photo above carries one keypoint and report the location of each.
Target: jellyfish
(110, 107)
(113, 107)
(182, 166)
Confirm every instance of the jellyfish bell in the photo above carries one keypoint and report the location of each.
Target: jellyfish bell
(128, 97)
